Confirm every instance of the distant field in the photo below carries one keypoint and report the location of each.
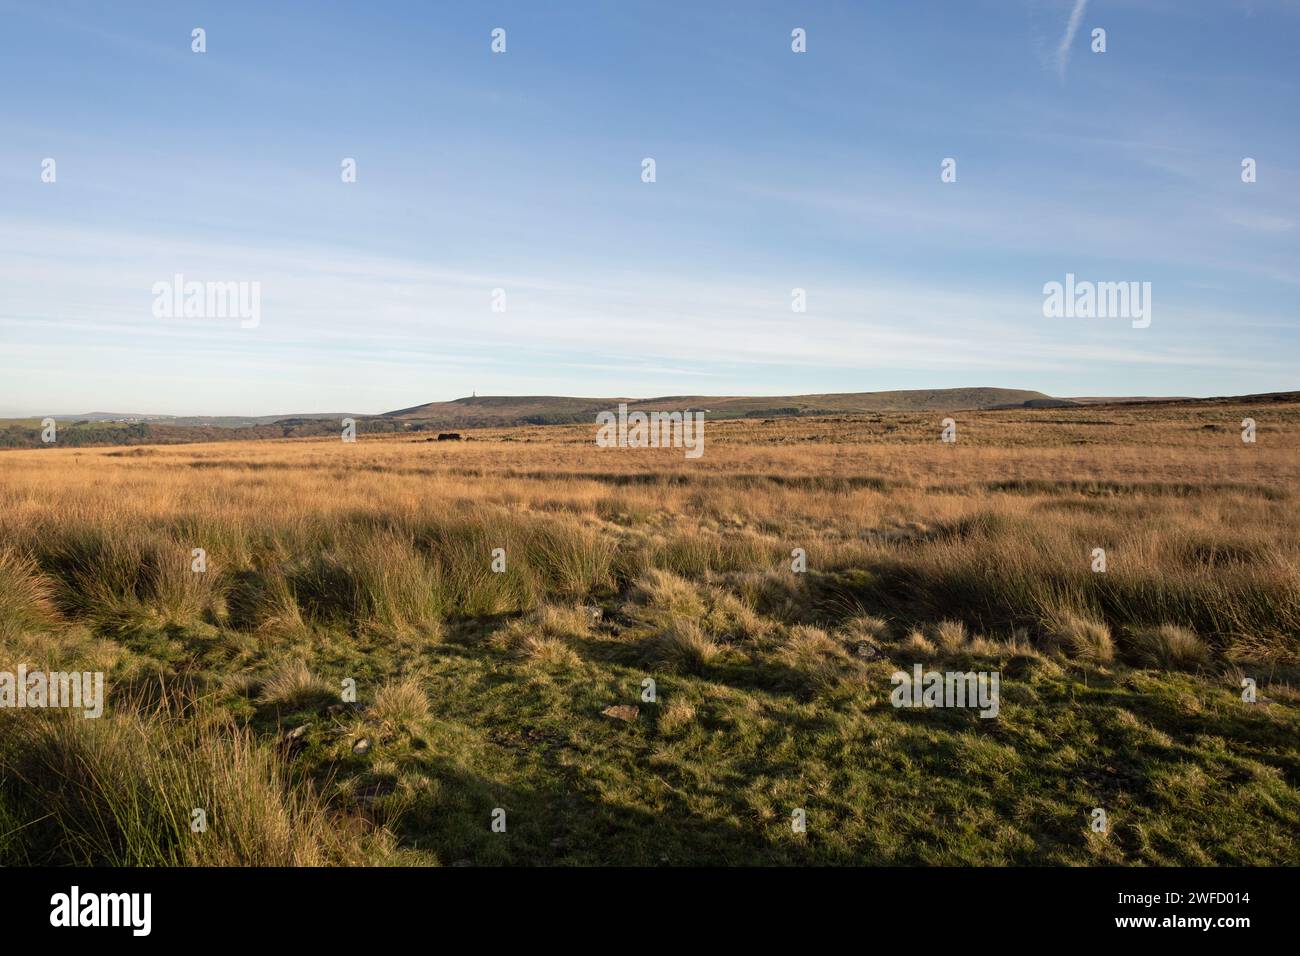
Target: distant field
(99, 428)
(479, 691)
(508, 412)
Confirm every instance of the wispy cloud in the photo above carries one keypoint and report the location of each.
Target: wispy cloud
(1071, 28)
(363, 332)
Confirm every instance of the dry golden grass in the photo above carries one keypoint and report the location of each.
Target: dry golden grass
(293, 685)
(1082, 638)
(393, 535)
(378, 558)
(543, 635)
(1170, 646)
(401, 703)
(126, 790)
(682, 644)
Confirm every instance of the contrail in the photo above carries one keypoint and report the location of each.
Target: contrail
(1071, 28)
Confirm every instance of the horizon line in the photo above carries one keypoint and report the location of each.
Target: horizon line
(629, 398)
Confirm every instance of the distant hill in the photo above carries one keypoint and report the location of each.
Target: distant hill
(74, 432)
(509, 410)
(1258, 398)
(214, 421)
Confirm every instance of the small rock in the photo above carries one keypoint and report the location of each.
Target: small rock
(625, 712)
(362, 746)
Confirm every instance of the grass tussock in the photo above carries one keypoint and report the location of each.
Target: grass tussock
(682, 645)
(1082, 638)
(401, 703)
(820, 662)
(26, 596)
(950, 636)
(917, 646)
(123, 790)
(1171, 647)
(543, 636)
(292, 686)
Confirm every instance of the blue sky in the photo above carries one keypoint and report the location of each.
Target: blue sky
(522, 171)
